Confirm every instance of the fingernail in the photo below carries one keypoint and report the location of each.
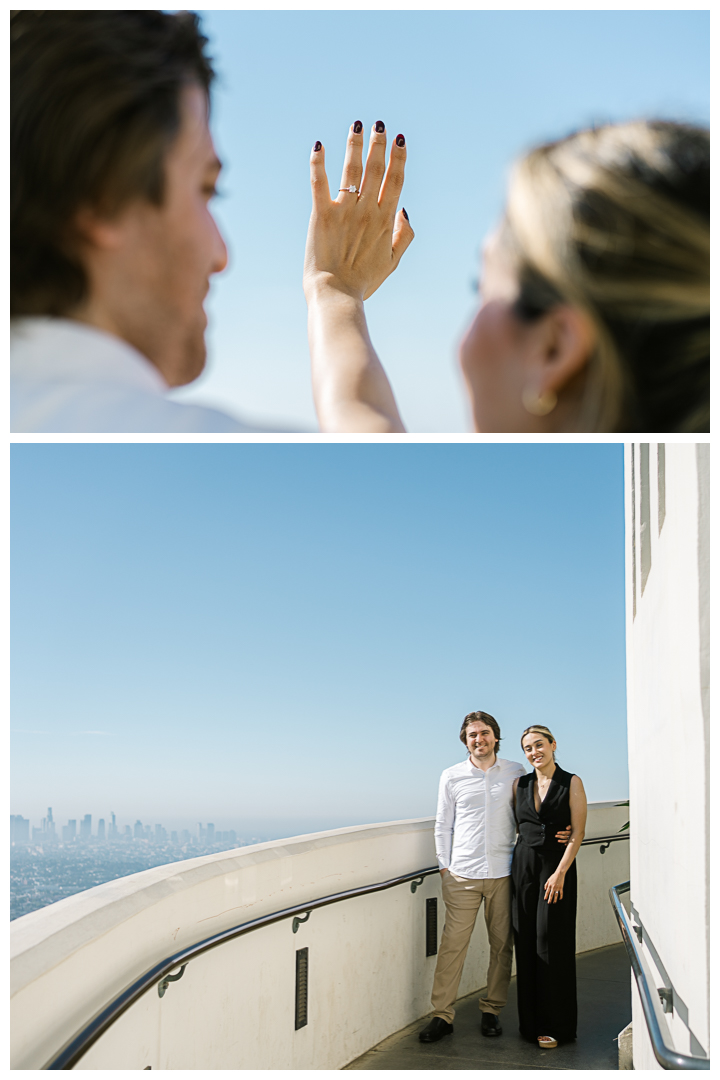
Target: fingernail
(357, 127)
(405, 214)
(317, 146)
(400, 140)
(379, 127)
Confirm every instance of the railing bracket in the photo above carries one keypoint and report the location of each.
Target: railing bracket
(164, 983)
(638, 931)
(414, 884)
(297, 920)
(666, 996)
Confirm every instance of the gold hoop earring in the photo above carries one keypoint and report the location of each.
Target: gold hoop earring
(538, 404)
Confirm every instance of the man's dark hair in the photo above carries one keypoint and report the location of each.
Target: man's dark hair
(95, 106)
(485, 718)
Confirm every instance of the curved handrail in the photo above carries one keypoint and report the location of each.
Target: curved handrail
(668, 1058)
(76, 1047)
(81, 1043)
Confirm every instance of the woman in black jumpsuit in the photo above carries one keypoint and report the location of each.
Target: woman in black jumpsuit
(545, 893)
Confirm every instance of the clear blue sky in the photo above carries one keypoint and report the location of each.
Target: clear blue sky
(470, 90)
(287, 637)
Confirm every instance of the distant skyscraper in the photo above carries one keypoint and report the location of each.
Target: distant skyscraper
(113, 827)
(138, 830)
(185, 836)
(210, 835)
(101, 829)
(86, 827)
(19, 829)
(69, 831)
(48, 826)
(128, 833)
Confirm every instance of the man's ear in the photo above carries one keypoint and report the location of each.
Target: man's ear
(565, 342)
(93, 228)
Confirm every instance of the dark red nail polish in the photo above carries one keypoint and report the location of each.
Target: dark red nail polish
(317, 146)
(400, 140)
(405, 215)
(357, 127)
(379, 126)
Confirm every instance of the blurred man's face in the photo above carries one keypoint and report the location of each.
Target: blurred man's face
(150, 276)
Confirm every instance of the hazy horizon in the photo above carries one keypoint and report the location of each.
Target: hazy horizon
(281, 828)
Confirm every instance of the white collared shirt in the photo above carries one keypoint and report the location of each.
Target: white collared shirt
(475, 822)
(67, 376)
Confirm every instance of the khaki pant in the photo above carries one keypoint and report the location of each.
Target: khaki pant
(463, 897)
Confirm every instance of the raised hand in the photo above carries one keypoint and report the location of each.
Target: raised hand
(357, 239)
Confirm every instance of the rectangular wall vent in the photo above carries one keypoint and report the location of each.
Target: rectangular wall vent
(301, 988)
(431, 926)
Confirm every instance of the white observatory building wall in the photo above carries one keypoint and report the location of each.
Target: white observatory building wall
(667, 592)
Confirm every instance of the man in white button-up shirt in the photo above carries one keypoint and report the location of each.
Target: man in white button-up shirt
(113, 242)
(474, 838)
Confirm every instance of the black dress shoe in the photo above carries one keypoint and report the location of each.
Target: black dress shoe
(435, 1030)
(490, 1025)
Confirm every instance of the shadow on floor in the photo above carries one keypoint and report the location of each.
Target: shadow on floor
(603, 982)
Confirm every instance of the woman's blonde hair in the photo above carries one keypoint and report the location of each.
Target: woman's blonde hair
(616, 221)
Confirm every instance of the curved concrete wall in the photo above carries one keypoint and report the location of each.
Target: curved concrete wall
(234, 1007)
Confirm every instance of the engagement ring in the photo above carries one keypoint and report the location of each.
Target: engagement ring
(352, 189)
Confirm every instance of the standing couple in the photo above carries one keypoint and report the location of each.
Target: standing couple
(529, 887)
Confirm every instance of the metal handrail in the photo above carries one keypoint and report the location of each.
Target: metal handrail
(668, 1058)
(606, 841)
(76, 1047)
(71, 1053)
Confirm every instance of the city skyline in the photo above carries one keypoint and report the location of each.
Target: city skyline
(22, 830)
(48, 864)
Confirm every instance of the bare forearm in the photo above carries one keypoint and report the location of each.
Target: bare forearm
(578, 820)
(571, 850)
(351, 389)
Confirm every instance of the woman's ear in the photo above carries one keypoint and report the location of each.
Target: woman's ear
(565, 340)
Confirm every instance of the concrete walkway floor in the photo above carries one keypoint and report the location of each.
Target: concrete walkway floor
(603, 982)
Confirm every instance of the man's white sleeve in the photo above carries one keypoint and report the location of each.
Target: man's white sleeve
(444, 823)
